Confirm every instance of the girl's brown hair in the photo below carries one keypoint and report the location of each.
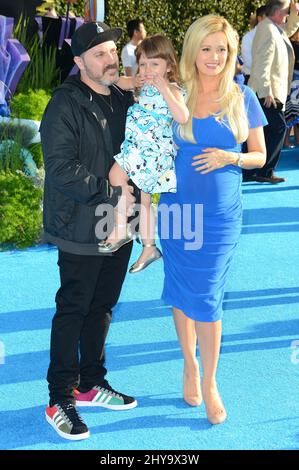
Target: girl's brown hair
(160, 47)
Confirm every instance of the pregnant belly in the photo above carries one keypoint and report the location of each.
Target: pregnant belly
(218, 190)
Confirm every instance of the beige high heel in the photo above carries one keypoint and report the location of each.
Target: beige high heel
(218, 415)
(191, 390)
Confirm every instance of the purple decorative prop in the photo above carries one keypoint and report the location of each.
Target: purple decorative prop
(6, 29)
(74, 69)
(66, 26)
(58, 35)
(63, 31)
(19, 60)
(13, 61)
(5, 60)
(38, 19)
(79, 22)
(4, 110)
(6, 26)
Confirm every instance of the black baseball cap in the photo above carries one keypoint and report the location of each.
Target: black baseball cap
(91, 34)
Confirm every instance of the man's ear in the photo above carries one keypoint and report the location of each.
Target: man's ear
(79, 62)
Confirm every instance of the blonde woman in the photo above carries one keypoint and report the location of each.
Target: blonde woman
(223, 115)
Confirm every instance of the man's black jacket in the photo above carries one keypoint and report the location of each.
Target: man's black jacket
(78, 155)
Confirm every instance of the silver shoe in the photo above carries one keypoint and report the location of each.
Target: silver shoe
(136, 267)
(106, 247)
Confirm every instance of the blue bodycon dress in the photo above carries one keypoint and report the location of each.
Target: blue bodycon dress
(199, 225)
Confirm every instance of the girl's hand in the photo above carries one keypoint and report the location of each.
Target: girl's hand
(138, 81)
(157, 81)
(160, 83)
(213, 159)
(149, 79)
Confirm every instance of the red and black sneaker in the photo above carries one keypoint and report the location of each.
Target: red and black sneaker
(64, 418)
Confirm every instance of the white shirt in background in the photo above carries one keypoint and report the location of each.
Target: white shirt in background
(128, 57)
(246, 46)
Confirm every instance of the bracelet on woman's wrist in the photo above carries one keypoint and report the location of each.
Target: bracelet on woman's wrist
(240, 160)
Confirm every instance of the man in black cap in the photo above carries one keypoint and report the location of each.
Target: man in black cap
(82, 128)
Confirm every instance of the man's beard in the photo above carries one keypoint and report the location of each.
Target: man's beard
(100, 79)
(109, 82)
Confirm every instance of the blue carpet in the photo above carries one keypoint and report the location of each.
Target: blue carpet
(259, 365)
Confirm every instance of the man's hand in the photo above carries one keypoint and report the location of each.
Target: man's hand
(269, 101)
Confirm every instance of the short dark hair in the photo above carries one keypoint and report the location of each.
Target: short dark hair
(133, 25)
(260, 11)
(273, 5)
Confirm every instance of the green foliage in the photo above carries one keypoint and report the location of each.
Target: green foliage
(21, 133)
(173, 17)
(14, 158)
(37, 154)
(155, 199)
(20, 30)
(30, 105)
(20, 211)
(77, 8)
(10, 156)
(14, 137)
(41, 72)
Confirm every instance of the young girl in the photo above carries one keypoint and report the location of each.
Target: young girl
(147, 154)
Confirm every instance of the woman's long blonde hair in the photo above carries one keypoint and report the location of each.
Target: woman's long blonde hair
(231, 101)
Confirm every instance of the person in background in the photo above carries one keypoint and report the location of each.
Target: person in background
(270, 77)
(136, 33)
(292, 104)
(239, 75)
(246, 43)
